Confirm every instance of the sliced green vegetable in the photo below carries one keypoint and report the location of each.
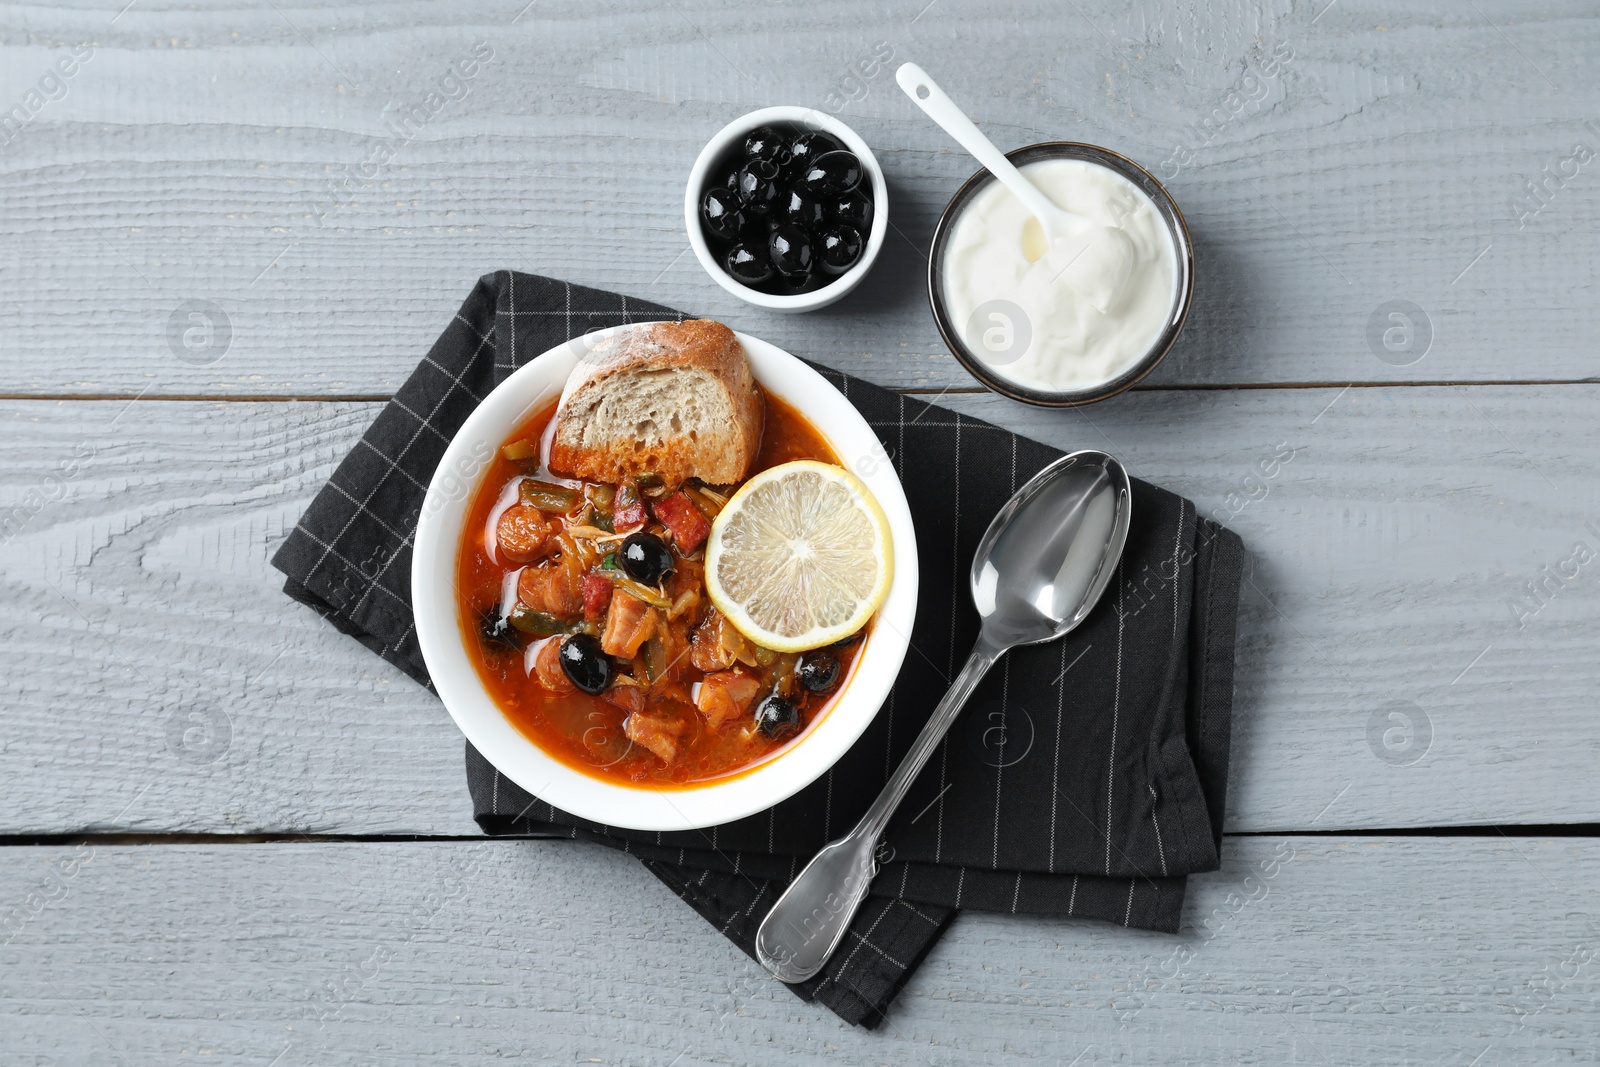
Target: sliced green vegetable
(647, 480)
(702, 500)
(538, 623)
(655, 658)
(610, 562)
(783, 674)
(546, 497)
(600, 503)
(521, 450)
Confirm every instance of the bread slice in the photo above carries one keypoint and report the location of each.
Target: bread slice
(673, 399)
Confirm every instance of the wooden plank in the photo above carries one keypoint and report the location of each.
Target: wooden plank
(1388, 553)
(1354, 157)
(1358, 950)
(1395, 667)
(174, 679)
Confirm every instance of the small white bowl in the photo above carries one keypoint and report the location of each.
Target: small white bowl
(441, 631)
(723, 145)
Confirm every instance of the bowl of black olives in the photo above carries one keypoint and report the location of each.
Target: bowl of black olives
(786, 208)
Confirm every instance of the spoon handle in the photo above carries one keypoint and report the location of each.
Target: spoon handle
(809, 920)
(926, 94)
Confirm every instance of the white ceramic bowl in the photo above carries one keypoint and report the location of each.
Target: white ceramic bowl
(612, 803)
(723, 144)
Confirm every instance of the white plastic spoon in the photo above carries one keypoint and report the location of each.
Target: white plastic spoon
(1058, 225)
(1066, 234)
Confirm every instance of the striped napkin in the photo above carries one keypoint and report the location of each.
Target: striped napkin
(1085, 779)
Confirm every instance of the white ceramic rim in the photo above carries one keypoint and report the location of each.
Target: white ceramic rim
(796, 116)
(439, 632)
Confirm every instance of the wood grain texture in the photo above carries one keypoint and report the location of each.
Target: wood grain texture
(158, 680)
(189, 680)
(1364, 950)
(1418, 627)
(196, 156)
(1391, 558)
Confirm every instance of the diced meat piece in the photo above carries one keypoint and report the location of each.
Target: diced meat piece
(716, 645)
(627, 697)
(658, 734)
(674, 638)
(553, 588)
(520, 534)
(670, 688)
(687, 574)
(687, 522)
(547, 668)
(628, 515)
(596, 595)
(726, 695)
(629, 624)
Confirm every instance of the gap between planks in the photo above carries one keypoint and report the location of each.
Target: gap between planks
(1218, 387)
(1507, 831)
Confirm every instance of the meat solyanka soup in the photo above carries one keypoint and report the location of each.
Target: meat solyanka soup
(587, 617)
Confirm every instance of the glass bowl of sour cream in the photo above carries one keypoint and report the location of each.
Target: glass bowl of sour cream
(1077, 321)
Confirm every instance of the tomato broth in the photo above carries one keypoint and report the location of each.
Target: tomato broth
(539, 582)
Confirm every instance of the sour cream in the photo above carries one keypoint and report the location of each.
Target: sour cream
(1067, 317)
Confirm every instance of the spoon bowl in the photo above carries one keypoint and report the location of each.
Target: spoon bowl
(1040, 568)
(1050, 552)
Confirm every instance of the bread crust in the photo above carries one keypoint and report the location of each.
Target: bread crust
(695, 344)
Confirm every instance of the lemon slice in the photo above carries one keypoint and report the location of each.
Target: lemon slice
(799, 557)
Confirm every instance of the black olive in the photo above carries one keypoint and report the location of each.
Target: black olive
(818, 672)
(731, 182)
(776, 716)
(790, 249)
(832, 173)
(764, 142)
(758, 186)
(749, 263)
(719, 210)
(790, 284)
(757, 228)
(802, 209)
(838, 249)
(807, 147)
(498, 633)
(853, 209)
(584, 663)
(646, 558)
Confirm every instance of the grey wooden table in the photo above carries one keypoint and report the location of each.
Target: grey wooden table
(233, 836)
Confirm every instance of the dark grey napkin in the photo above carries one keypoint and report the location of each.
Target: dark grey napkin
(1086, 778)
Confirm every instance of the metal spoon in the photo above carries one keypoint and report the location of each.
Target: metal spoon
(1039, 570)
